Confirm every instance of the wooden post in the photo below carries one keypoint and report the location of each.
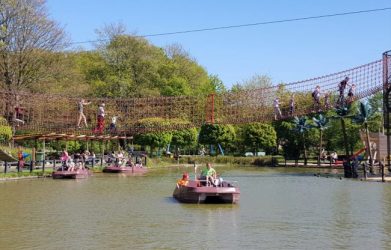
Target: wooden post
(102, 153)
(33, 158)
(5, 167)
(381, 164)
(43, 156)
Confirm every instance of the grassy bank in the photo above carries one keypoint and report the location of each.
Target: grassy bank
(262, 161)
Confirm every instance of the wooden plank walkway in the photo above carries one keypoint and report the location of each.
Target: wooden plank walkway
(4, 156)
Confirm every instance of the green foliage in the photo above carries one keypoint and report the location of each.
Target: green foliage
(335, 139)
(242, 161)
(217, 134)
(257, 81)
(184, 138)
(156, 139)
(5, 130)
(259, 136)
(130, 66)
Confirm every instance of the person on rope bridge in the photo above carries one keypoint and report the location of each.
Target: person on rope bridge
(277, 111)
(351, 93)
(80, 109)
(100, 119)
(316, 97)
(292, 105)
(113, 124)
(341, 87)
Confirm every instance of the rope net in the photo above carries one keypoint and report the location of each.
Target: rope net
(32, 113)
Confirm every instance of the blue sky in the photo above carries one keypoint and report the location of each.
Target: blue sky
(286, 52)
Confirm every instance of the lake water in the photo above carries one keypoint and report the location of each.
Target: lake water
(278, 209)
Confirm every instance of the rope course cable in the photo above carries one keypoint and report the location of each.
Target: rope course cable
(38, 114)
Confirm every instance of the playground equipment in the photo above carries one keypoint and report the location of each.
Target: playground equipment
(43, 114)
(377, 143)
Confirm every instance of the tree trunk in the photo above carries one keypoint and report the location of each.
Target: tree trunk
(305, 151)
(320, 147)
(345, 138)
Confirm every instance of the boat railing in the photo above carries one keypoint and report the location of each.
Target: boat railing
(219, 182)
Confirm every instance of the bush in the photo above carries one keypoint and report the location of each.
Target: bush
(256, 161)
(5, 130)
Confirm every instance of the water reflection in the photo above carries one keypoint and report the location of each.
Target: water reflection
(278, 209)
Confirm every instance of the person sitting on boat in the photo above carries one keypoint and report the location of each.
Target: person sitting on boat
(120, 158)
(130, 162)
(209, 175)
(184, 180)
(64, 159)
(71, 164)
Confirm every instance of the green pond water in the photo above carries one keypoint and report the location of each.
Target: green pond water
(278, 209)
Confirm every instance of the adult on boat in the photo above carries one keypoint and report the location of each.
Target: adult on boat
(208, 175)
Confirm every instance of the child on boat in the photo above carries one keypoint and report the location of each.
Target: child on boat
(184, 180)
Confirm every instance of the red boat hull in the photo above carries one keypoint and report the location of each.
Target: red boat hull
(194, 193)
(130, 170)
(79, 174)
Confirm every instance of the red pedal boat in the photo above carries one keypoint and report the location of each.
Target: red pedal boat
(193, 192)
(65, 174)
(125, 169)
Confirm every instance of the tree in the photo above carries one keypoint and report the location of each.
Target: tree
(184, 138)
(321, 124)
(214, 134)
(301, 126)
(27, 34)
(136, 68)
(255, 82)
(5, 130)
(259, 136)
(156, 139)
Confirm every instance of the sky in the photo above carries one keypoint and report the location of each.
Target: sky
(286, 52)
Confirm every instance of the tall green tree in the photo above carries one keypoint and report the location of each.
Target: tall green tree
(259, 136)
(186, 138)
(214, 134)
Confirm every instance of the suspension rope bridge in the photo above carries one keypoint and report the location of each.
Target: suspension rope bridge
(39, 115)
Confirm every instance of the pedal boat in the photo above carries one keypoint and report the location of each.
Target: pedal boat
(194, 192)
(65, 174)
(125, 169)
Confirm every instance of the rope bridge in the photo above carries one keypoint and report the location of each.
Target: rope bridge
(39, 114)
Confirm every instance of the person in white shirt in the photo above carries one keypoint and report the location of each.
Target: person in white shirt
(113, 124)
